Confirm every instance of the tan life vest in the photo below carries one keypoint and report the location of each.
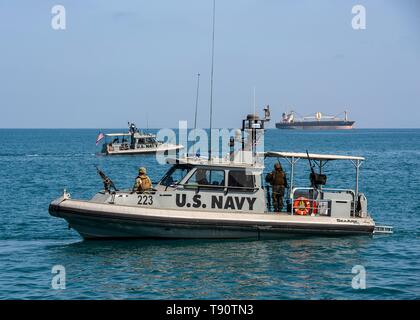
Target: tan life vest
(143, 183)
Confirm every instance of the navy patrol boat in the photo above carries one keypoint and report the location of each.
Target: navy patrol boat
(224, 198)
(134, 141)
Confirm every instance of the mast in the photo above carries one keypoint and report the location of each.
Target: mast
(196, 100)
(211, 77)
(254, 100)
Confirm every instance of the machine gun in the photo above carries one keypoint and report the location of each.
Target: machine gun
(108, 184)
(317, 179)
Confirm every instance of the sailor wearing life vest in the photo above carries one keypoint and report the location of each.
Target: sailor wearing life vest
(278, 181)
(142, 182)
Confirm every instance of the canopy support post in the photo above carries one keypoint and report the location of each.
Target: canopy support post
(357, 164)
(292, 163)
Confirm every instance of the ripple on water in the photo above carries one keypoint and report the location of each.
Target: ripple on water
(31, 241)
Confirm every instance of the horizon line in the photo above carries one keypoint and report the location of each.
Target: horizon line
(158, 128)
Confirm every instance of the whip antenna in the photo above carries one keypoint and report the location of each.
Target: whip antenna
(196, 107)
(196, 101)
(211, 77)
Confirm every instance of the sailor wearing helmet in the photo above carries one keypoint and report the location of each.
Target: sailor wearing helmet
(142, 182)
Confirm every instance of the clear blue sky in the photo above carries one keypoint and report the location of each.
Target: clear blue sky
(125, 60)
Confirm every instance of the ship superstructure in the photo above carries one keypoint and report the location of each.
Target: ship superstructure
(318, 121)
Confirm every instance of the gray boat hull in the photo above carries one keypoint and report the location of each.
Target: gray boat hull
(101, 221)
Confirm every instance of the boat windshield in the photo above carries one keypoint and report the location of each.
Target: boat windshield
(147, 140)
(175, 175)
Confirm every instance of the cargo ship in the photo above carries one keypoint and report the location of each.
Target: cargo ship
(318, 121)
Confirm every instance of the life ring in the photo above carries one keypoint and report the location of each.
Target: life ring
(302, 206)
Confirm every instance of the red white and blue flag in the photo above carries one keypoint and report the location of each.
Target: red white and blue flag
(99, 138)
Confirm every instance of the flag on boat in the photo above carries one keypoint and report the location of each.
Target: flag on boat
(99, 138)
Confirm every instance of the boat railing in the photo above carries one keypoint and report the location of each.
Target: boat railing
(217, 187)
(118, 146)
(125, 192)
(317, 203)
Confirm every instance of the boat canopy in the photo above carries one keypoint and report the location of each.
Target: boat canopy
(136, 135)
(314, 156)
(117, 134)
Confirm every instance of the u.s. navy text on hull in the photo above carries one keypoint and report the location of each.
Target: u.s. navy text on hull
(216, 202)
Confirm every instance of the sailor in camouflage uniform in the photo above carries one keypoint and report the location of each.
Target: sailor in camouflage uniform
(278, 181)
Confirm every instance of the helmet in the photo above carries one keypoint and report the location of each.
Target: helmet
(277, 166)
(142, 170)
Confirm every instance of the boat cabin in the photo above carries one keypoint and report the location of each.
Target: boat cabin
(218, 185)
(222, 185)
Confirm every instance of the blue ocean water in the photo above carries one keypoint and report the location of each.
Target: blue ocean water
(37, 164)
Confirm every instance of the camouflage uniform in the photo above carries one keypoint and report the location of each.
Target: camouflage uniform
(279, 183)
(142, 182)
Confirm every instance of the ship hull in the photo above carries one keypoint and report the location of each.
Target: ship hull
(160, 149)
(316, 125)
(107, 221)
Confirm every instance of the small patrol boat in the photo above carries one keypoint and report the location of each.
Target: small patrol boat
(135, 141)
(224, 198)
